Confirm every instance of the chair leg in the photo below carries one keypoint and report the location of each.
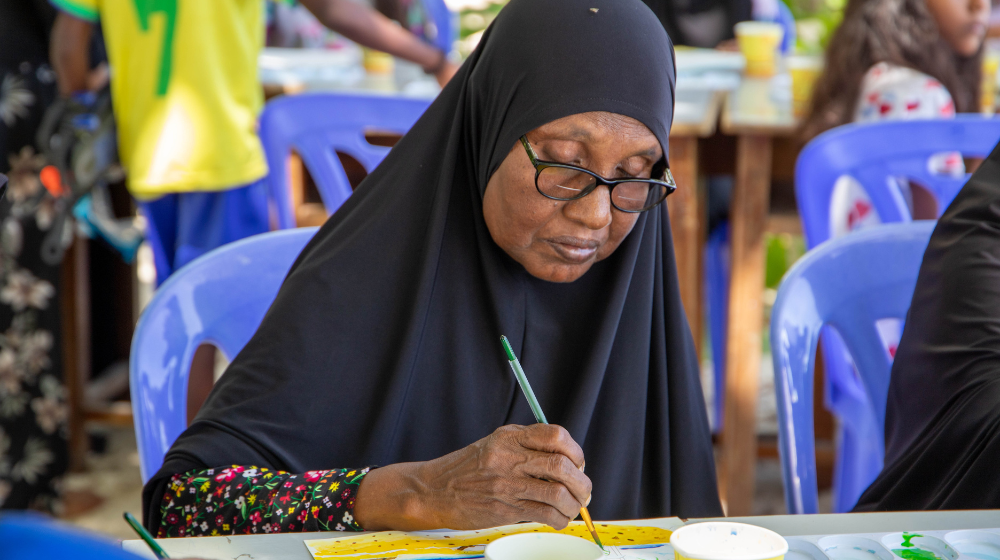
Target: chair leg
(717, 288)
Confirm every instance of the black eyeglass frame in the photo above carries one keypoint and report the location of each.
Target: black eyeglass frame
(541, 165)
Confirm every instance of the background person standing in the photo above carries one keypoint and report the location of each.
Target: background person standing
(186, 99)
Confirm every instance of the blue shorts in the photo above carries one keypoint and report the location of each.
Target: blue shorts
(183, 226)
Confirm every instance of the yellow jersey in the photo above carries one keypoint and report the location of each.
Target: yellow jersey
(185, 90)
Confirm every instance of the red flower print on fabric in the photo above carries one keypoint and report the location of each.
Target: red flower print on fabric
(240, 500)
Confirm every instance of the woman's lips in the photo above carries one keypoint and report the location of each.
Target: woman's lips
(574, 249)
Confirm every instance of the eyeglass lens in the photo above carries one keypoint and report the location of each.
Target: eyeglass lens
(567, 184)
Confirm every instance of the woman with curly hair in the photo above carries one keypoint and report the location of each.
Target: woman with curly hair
(898, 59)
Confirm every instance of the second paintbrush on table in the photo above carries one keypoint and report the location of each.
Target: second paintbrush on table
(536, 409)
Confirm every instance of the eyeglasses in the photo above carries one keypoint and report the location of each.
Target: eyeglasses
(560, 181)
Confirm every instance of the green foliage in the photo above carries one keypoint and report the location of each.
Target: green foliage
(474, 21)
(782, 252)
(815, 22)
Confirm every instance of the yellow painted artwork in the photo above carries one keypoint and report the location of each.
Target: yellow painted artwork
(397, 545)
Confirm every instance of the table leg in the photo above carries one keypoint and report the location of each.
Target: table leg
(748, 222)
(687, 222)
(75, 309)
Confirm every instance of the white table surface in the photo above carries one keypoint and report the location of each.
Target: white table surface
(288, 546)
(340, 71)
(701, 72)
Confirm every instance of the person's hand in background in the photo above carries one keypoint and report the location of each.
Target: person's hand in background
(371, 29)
(445, 73)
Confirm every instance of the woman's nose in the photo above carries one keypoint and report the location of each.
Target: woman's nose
(593, 210)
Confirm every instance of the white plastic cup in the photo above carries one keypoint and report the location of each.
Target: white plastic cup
(725, 540)
(542, 546)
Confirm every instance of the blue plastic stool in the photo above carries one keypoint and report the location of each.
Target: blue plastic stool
(884, 261)
(30, 535)
(219, 298)
(874, 154)
(317, 126)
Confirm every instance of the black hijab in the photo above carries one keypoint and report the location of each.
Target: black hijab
(383, 344)
(942, 425)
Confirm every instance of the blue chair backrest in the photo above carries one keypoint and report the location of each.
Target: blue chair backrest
(875, 153)
(219, 298)
(883, 263)
(317, 126)
(445, 24)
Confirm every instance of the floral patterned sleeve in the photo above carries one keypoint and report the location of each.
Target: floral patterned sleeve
(242, 500)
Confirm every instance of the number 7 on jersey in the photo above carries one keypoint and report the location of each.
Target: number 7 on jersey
(145, 9)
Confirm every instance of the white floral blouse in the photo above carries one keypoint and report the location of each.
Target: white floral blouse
(890, 92)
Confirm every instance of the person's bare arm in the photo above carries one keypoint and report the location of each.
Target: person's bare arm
(69, 53)
(369, 28)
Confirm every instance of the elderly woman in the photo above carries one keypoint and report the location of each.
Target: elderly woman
(527, 201)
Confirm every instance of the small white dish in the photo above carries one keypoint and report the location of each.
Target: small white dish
(724, 540)
(542, 546)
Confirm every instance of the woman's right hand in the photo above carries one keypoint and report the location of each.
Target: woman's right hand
(517, 473)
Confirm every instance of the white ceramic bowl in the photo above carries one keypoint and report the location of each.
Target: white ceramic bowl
(724, 540)
(542, 546)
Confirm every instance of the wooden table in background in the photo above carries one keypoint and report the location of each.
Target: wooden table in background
(755, 113)
(696, 113)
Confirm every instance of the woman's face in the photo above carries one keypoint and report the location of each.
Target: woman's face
(962, 23)
(557, 240)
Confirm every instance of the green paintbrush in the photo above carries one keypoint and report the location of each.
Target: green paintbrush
(144, 535)
(522, 380)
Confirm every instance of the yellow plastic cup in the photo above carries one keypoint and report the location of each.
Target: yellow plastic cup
(759, 42)
(988, 91)
(377, 62)
(805, 70)
(724, 540)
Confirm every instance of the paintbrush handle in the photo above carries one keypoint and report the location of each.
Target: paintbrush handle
(522, 380)
(145, 536)
(536, 408)
(590, 526)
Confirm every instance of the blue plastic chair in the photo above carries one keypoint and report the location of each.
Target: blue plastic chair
(317, 126)
(31, 535)
(445, 24)
(883, 262)
(786, 19)
(716, 267)
(875, 154)
(219, 298)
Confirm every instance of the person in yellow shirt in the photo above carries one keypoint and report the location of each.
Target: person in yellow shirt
(186, 99)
